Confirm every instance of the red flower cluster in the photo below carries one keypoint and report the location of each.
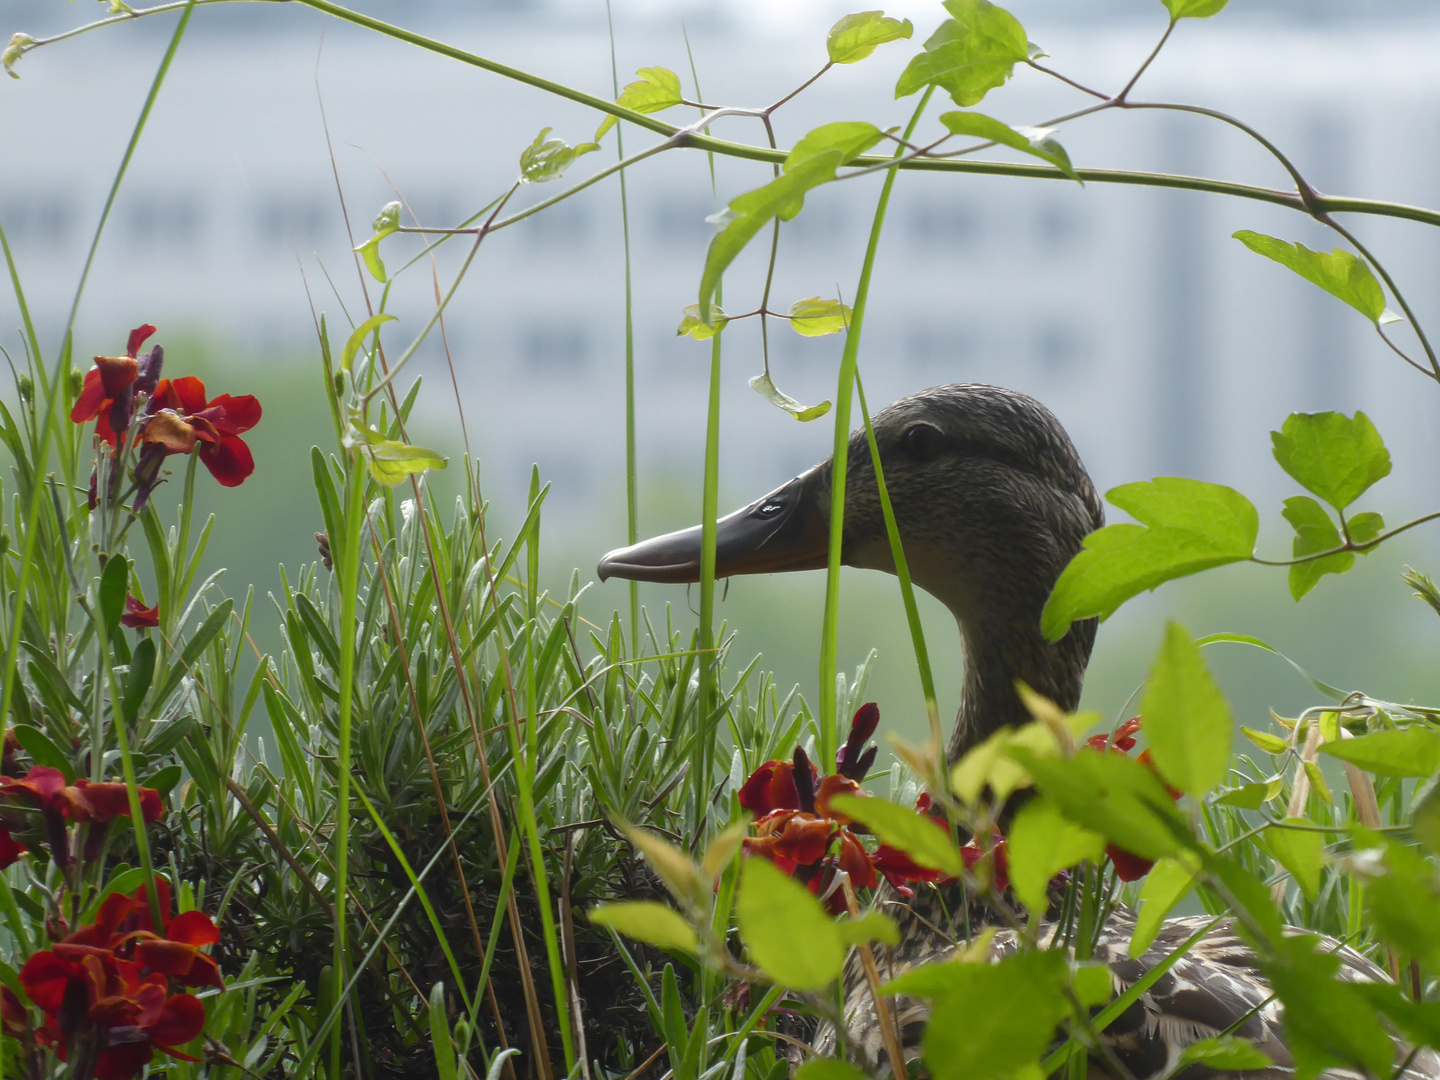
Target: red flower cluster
(45, 789)
(1128, 865)
(797, 828)
(105, 990)
(178, 418)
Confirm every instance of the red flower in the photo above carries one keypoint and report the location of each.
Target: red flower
(771, 787)
(139, 617)
(10, 848)
(899, 868)
(124, 926)
(1128, 865)
(182, 420)
(93, 1000)
(974, 854)
(58, 802)
(854, 760)
(109, 382)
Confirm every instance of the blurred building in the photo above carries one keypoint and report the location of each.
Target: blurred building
(1163, 344)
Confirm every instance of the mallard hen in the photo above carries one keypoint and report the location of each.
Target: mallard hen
(992, 502)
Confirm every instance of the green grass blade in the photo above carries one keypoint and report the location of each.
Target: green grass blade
(902, 571)
(845, 392)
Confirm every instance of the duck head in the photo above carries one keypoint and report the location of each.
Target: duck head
(991, 502)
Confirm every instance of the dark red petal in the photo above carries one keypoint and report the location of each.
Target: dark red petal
(166, 957)
(204, 972)
(137, 338)
(124, 1061)
(1128, 866)
(866, 720)
(91, 401)
(189, 394)
(10, 848)
(45, 977)
(180, 1021)
(855, 861)
(193, 928)
(142, 905)
(804, 839)
(240, 413)
(833, 785)
(137, 616)
(116, 373)
(105, 801)
(230, 462)
(151, 808)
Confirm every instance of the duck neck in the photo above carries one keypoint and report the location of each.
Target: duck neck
(996, 655)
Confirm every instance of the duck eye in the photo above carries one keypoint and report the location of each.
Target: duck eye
(770, 508)
(922, 442)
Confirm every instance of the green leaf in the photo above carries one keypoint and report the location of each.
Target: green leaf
(969, 55)
(1339, 273)
(1252, 796)
(1169, 882)
(1093, 984)
(1408, 751)
(828, 1069)
(547, 159)
(856, 36)
(1314, 531)
(1424, 815)
(976, 1031)
(1327, 1022)
(811, 163)
(914, 833)
(657, 89)
(1225, 1053)
(1331, 455)
(386, 222)
(137, 682)
(1405, 906)
(1193, 9)
(1029, 140)
(871, 926)
(42, 751)
(691, 325)
(763, 386)
(1041, 843)
(680, 874)
(1299, 851)
(440, 1034)
(1271, 744)
(1187, 719)
(786, 930)
(358, 336)
(391, 461)
(1364, 528)
(816, 318)
(114, 582)
(645, 920)
(1186, 526)
(1110, 794)
(1318, 782)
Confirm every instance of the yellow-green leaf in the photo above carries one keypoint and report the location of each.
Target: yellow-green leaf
(1338, 272)
(1193, 9)
(385, 223)
(870, 926)
(785, 928)
(1408, 751)
(657, 89)
(691, 325)
(1271, 744)
(1169, 882)
(1029, 140)
(1299, 851)
(1041, 843)
(914, 833)
(546, 159)
(763, 386)
(391, 461)
(644, 920)
(1187, 719)
(356, 339)
(856, 36)
(681, 876)
(815, 317)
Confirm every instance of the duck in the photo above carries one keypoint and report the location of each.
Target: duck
(992, 501)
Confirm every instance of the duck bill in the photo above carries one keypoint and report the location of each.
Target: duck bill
(788, 529)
